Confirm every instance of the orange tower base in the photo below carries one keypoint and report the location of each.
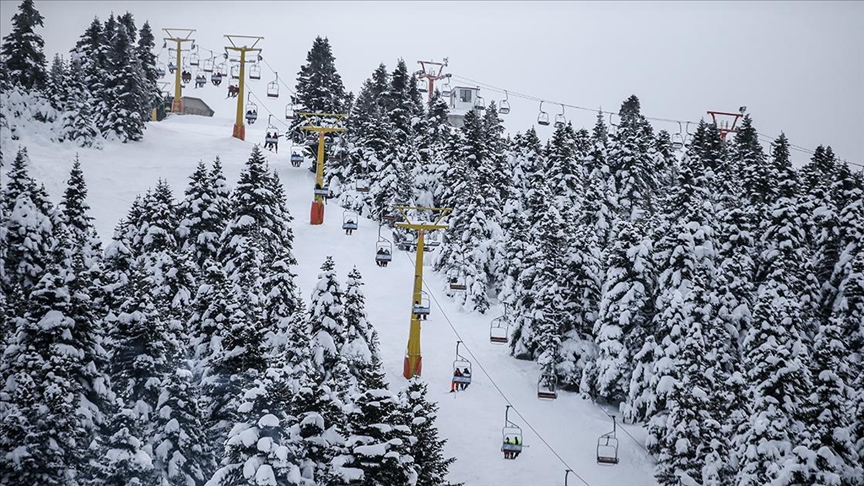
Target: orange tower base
(239, 132)
(317, 213)
(177, 106)
(407, 372)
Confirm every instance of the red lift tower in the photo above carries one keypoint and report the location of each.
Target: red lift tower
(723, 127)
(429, 73)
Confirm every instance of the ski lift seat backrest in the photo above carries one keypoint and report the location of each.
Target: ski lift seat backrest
(607, 449)
(254, 71)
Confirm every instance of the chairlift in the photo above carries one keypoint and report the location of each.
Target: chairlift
(383, 250)
(349, 220)
(421, 308)
(456, 277)
(504, 108)
(221, 68)
(289, 111)
(678, 139)
(446, 90)
(499, 330)
(254, 71)
(547, 386)
(273, 88)
(422, 86)
(200, 80)
(462, 370)
(432, 240)
(160, 69)
(208, 64)
(186, 77)
(322, 190)
(566, 475)
(296, 159)
(560, 119)
(543, 117)
(193, 59)
(511, 437)
(216, 78)
(235, 71)
(687, 135)
(607, 446)
(612, 125)
(361, 185)
(171, 67)
(251, 111)
(479, 103)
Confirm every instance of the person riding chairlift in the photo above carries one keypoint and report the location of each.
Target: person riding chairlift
(348, 231)
(453, 385)
(465, 372)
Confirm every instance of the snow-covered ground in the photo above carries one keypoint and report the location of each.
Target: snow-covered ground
(559, 434)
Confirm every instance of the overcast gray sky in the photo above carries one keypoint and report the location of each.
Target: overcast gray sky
(797, 66)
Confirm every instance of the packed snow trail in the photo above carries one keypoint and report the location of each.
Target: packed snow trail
(559, 432)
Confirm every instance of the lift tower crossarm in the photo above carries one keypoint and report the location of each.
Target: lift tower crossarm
(413, 364)
(322, 124)
(430, 74)
(239, 127)
(177, 104)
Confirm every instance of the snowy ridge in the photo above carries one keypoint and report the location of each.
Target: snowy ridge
(470, 420)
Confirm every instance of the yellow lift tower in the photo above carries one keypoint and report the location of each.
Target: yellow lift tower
(174, 35)
(239, 127)
(419, 305)
(322, 124)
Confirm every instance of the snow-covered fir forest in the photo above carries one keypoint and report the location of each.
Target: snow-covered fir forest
(713, 295)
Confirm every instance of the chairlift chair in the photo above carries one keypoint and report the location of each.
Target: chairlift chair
(457, 280)
(349, 220)
(499, 330)
(504, 108)
(322, 190)
(235, 72)
(160, 69)
(289, 111)
(254, 71)
(361, 185)
(216, 78)
(383, 250)
(543, 117)
(251, 112)
(547, 387)
(273, 87)
(446, 90)
(560, 119)
(511, 436)
(296, 159)
(432, 240)
(678, 139)
(221, 68)
(479, 103)
(171, 67)
(607, 446)
(612, 125)
(200, 80)
(422, 308)
(461, 364)
(207, 65)
(193, 59)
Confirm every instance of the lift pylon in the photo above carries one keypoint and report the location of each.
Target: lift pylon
(239, 127)
(724, 127)
(429, 73)
(413, 364)
(179, 36)
(322, 124)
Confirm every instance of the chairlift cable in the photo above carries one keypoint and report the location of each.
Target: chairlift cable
(594, 110)
(501, 392)
(261, 103)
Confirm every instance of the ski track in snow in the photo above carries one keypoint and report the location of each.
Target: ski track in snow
(471, 420)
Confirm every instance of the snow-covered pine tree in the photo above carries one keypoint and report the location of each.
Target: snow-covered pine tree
(625, 313)
(74, 213)
(379, 435)
(319, 86)
(430, 148)
(361, 339)
(630, 156)
(78, 120)
(22, 53)
(427, 447)
(123, 111)
(599, 201)
(326, 317)
(263, 444)
(48, 417)
(147, 60)
(203, 217)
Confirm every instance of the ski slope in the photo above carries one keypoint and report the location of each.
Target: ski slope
(559, 434)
